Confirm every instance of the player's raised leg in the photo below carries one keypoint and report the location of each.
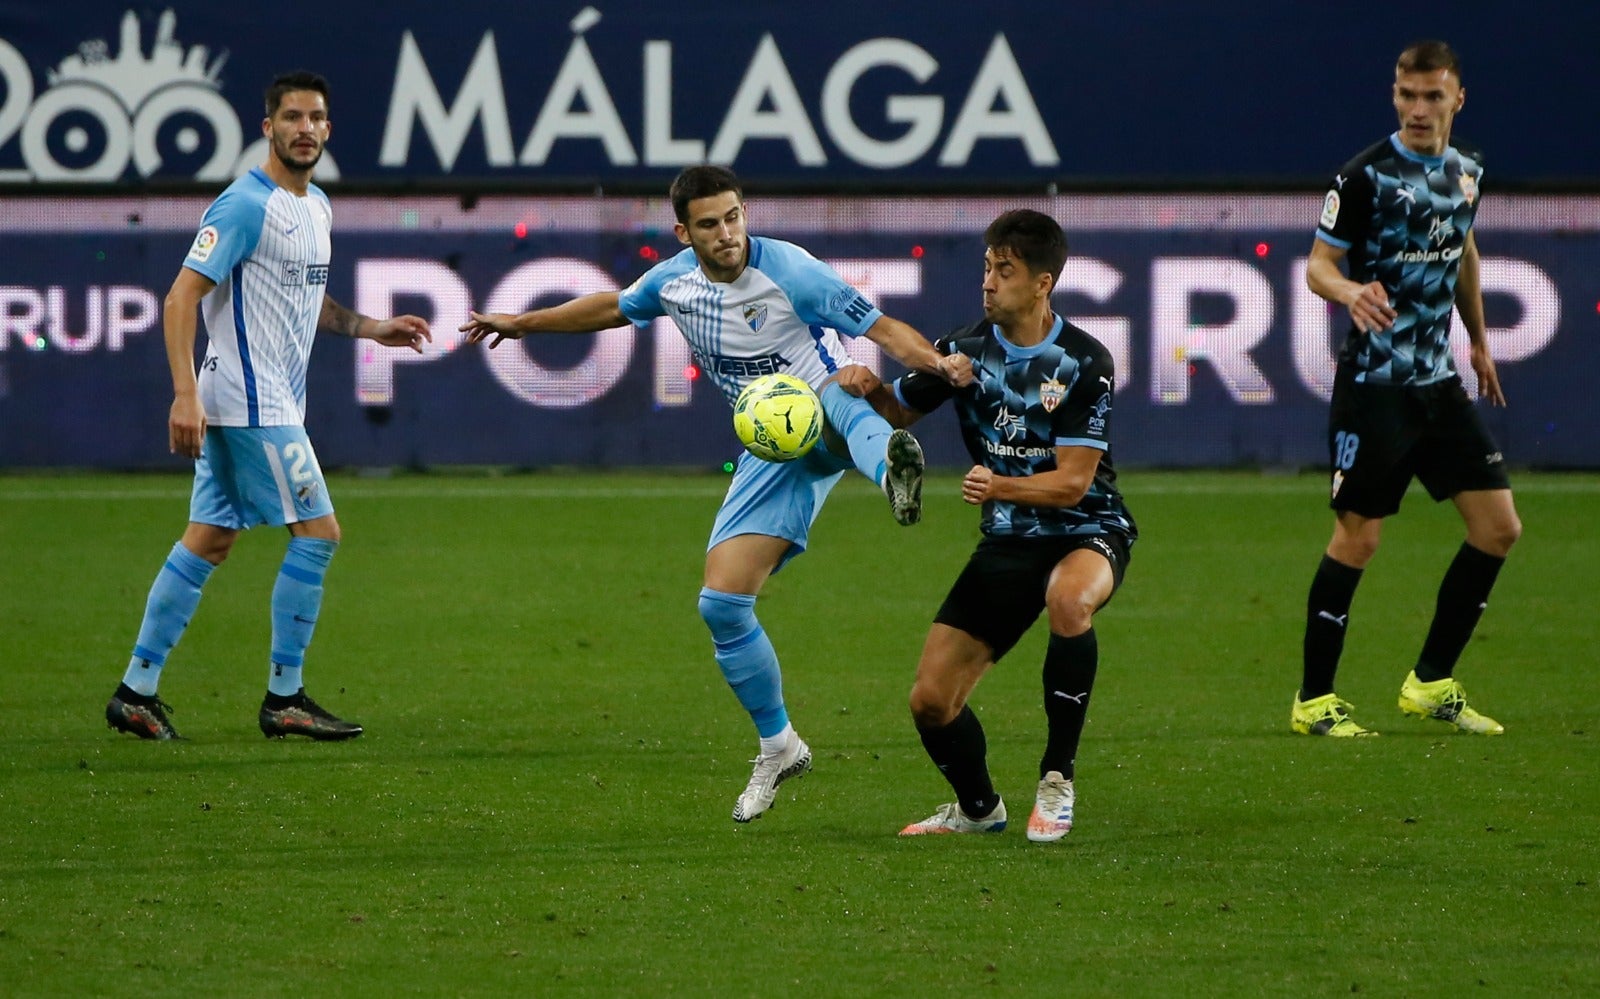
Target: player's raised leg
(889, 457)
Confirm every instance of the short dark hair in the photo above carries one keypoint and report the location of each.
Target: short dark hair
(1032, 237)
(697, 182)
(289, 82)
(1427, 57)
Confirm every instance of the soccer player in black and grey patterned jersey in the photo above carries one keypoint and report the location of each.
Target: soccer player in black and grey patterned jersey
(1400, 216)
(1056, 534)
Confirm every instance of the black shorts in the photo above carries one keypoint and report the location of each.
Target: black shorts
(1000, 593)
(1380, 437)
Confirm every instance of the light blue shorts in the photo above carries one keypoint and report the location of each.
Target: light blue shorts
(779, 500)
(257, 475)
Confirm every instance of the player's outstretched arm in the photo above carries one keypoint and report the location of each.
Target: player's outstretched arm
(587, 314)
(186, 422)
(906, 345)
(400, 331)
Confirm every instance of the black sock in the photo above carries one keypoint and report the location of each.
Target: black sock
(961, 754)
(128, 695)
(276, 702)
(1069, 668)
(1327, 613)
(1462, 596)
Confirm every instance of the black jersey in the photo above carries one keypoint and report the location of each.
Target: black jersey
(1404, 219)
(1025, 402)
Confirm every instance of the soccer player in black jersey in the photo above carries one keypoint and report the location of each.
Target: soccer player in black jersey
(1056, 535)
(1400, 216)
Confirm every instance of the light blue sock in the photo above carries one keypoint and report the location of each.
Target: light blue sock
(860, 425)
(173, 597)
(747, 658)
(296, 599)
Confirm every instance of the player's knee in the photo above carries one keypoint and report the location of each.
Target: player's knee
(729, 616)
(1070, 613)
(324, 528)
(1513, 532)
(1354, 549)
(211, 544)
(932, 707)
(1497, 537)
(216, 554)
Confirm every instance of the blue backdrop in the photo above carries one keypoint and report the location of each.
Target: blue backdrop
(823, 93)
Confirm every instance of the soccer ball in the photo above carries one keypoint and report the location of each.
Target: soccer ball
(778, 418)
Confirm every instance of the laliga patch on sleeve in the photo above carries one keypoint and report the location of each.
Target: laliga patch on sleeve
(1330, 210)
(204, 242)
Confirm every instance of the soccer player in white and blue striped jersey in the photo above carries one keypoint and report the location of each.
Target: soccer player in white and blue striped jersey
(259, 268)
(750, 306)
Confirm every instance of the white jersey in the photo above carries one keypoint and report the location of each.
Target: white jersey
(784, 312)
(268, 251)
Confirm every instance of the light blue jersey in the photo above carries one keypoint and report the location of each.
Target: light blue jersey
(268, 252)
(784, 312)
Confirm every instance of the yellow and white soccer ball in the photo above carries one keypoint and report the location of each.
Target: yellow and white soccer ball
(778, 418)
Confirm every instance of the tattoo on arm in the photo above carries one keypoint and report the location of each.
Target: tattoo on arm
(339, 320)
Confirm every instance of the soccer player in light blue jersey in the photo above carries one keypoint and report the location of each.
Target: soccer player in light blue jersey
(259, 269)
(748, 306)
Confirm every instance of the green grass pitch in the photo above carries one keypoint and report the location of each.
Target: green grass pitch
(540, 805)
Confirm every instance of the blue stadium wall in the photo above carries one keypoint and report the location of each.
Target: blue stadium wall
(1180, 147)
(825, 93)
